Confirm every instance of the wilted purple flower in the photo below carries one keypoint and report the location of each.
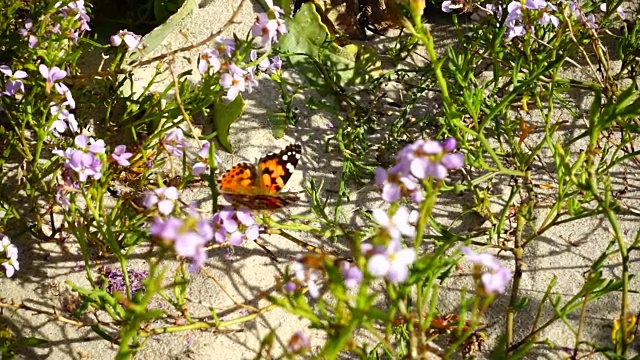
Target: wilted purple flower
(209, 59)
(391, 262)
(174, 142)
(14, 84)
(164, 197)
(11, 265)
(130, 39)
(51, 75)
(496, 279)
(121, 156)
(26, 32)
(115, 280)
(299, 343)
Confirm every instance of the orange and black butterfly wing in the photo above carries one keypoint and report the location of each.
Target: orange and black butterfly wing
(241, 178)
(275, 170)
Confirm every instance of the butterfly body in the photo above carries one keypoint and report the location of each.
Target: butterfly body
(258, 186)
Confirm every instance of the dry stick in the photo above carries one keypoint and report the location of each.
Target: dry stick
(297, 241)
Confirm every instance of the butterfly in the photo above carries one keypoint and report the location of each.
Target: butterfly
(258, 186)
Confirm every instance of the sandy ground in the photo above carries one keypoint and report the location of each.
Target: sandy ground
(565, 252)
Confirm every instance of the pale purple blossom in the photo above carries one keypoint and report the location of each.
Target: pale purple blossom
(121, 156)
(163, 197)
(130, 39)
(233, 81)
(51, 76)
(307, 277)
(209, 59)
(62, 89)
(265, 28)
(391, 262)
(14, 84)
(26, 32)
(351, 274)
(234, 226)
(496, 279)
(11, 264)
(395, 226)
(174, 141)
(187, 237)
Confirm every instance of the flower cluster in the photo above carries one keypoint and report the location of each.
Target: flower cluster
(521, 17)
(236, 78)
(84, 160)
(60, 108)
(269, 25)
(187, 237)
(115, 280)
(493, 281)
(11, 264)
(73, 15)
(417, 161)
(235, 226)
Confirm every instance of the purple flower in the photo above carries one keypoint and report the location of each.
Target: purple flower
(391, 262)
(396, 226)
(233, 81)
(266, 28)
(174, 142)
(275, 66)
(164, 197)
(225, 46)
(188, 237)
(496, 279)
(11, 265)
(351, 274)
(209, 59)
(62, 89)
(130, 39)
(234, 226)
(65, 120)
(307, 277)
(14, 84)
(121, 156)
(26, 31)
(202, 166)
(51, 75)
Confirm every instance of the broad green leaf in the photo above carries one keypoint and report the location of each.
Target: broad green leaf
(225, 114)
(278, 124)
(321, 61)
